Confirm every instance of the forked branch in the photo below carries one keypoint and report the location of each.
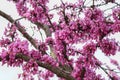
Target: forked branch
(58, 71)
(20, 28)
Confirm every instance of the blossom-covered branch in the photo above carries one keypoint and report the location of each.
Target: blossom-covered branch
(58, 71)
(74, 38)
(20, 28)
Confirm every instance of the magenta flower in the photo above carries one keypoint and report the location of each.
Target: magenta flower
(109, 47)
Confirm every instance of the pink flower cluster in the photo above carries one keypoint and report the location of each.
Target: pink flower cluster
(81, 71)
(89, 48)
(108, 46)
(8, 56)
(92, 30)
(46, 75)
(4, 42)
(31, 67)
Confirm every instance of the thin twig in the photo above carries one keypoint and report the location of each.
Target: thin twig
(117, 3)
(19, 19)
(32, 30)
(54, 8)
(109, 8)
(88, 2)
(105, 72)
(41, 35)
(84, 2)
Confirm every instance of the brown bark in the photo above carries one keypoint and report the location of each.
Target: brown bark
(57, 70)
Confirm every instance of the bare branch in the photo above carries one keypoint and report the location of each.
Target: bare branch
(46, 28)
(117, 3)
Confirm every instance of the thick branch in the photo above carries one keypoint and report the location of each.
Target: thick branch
(83, 71)
(58, 71)
(20, 28)
(44, 27)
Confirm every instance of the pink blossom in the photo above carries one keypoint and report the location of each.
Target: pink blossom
(89, 48)
(116, 14)
(27, 15)
(109, 47)
(77, 25)
(114, 62)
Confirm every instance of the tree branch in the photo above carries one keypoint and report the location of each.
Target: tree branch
(44, 27)
(58, 71)
(20, 28)
(83, 71)
(105, 71)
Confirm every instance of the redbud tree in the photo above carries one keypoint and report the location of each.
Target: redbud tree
(73, 32)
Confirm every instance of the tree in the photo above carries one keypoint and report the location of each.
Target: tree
(59, 53)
